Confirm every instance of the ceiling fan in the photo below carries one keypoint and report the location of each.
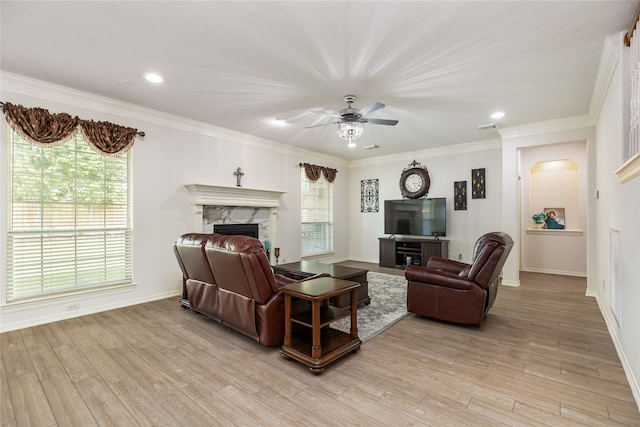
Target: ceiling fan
(351, 119)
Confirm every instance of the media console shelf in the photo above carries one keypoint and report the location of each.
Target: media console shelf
(394, 251)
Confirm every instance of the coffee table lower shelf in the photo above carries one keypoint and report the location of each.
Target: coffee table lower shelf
(335, 344)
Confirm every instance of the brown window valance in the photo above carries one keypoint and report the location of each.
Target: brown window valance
(40, 127)
(313, 172)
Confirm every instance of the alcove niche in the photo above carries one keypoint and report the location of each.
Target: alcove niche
(554, 177)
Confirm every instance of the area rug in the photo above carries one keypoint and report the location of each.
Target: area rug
(388, 305)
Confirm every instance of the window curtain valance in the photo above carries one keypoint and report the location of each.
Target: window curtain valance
(314, 172)
(40, 127)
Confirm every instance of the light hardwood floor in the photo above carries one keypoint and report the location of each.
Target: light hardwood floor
(543, 357)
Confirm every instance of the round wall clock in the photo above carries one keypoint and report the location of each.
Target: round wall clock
(414, 181)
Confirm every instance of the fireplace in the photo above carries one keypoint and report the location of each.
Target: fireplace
(214, 205)
(250, 230)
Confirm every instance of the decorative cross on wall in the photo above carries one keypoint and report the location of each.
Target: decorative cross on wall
(238, 173)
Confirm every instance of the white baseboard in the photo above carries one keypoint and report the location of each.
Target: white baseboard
(634, 383)
(12, 326)
(512, 283)
(558, 272)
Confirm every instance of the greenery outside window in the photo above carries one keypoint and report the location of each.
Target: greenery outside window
(69, 212)
(316, 215)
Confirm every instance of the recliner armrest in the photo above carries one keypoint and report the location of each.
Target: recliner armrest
(448, 265)
(437, 278)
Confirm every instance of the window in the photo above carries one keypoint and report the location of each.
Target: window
(69, 219)
(316, 215)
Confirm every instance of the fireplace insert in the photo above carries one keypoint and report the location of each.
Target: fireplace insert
(250, 230)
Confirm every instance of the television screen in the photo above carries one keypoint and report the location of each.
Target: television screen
(416, 217)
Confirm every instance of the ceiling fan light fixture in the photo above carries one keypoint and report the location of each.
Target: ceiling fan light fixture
(350, 130)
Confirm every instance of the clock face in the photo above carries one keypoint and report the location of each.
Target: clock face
(413, 183)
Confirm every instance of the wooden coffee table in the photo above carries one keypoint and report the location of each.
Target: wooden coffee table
(303, 269)
(314, 342)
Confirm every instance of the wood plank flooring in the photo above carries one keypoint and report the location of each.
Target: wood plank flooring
(542, 358)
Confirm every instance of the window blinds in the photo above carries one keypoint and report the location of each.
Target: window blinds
(316, 216)
(69, 219)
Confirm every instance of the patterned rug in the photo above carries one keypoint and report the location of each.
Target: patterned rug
(388, 305)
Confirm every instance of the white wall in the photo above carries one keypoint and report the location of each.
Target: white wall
(617, 208)
(173, 153)
(445, 166)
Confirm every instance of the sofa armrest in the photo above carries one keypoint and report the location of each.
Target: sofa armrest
(437, 278)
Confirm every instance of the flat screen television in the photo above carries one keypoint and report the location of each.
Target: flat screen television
(416, 217)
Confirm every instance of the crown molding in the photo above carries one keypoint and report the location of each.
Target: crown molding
(559, 125)
(132, 114)
(469, 147)
(608, 63)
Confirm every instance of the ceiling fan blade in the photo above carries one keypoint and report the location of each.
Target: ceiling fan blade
(326, 113)
(371, 108)
(321, 124)
(381, 122)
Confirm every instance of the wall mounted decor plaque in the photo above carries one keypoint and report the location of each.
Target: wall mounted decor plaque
(478, 184)
(369, 195)
(460, 195)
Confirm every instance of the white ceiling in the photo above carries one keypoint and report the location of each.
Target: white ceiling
(441, 67)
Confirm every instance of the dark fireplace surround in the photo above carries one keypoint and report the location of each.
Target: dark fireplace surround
(250, 230)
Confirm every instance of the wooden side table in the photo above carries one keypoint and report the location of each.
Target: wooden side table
(314, 342)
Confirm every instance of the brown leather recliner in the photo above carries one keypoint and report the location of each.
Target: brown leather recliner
(229, 279)
(458, 292)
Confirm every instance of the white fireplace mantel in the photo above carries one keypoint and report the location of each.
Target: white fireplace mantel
(215, 195)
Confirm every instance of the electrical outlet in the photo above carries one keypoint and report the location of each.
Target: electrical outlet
(72, 307)
(604, 285)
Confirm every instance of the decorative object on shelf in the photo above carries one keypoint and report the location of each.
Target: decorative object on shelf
(460, 195)
(414, 181)
(538, 219)
(267, 246)
(238, 173)
(478, 184)
(554, 218)
(369, 201)
(276, 253)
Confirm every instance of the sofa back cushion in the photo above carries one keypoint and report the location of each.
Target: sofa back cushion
(190, 252)
(239, 265)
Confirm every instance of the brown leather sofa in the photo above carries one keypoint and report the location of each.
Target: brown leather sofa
(229, 279)
(458, 292)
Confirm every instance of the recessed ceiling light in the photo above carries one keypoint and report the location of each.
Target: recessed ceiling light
(153, 77)
(497, 115)
(280, 122)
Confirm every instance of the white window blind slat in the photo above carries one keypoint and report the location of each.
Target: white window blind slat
(69, 219)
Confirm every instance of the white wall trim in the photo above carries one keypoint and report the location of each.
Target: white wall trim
(558, 272)
(132, 114)
(629, 170)
(550, 126)
(469, 147)
(35, 321)
(510, 283)
(608, 63)
(634, 383)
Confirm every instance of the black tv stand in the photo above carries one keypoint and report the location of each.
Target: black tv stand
(398, 251)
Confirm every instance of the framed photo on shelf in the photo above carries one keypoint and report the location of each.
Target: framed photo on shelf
(554, 218)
